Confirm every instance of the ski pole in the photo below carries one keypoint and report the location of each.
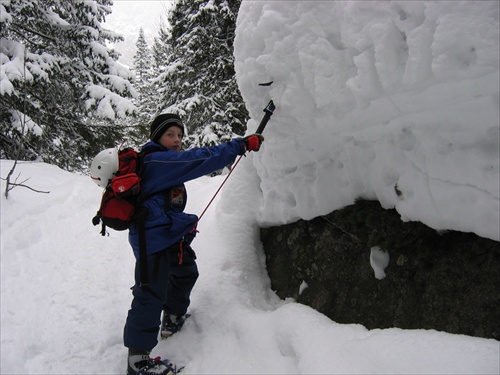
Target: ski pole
(269, 110)
(217, 192)
(268, 113)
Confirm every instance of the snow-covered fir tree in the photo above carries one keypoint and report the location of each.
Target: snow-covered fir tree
(145, 100)
(60, 84)
(199, 79)
(160, 51)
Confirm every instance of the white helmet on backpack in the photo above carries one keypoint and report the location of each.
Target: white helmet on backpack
(104, 167)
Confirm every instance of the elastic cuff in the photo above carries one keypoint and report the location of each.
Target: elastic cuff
(243, 148)
(132, 352)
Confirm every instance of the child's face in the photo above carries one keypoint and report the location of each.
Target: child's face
(172, 138)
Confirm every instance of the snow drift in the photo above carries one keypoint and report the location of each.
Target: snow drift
(65, 295)
(396, 101)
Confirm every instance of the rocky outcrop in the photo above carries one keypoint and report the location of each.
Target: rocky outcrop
(443, 281)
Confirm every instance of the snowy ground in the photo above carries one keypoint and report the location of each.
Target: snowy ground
(65, 295)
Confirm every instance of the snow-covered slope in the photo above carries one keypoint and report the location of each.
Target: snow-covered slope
(396, 101)
(65, 295)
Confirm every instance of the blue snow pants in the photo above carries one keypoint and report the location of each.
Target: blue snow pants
(170, 285)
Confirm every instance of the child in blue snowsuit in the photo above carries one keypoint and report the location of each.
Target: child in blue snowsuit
(171, 265)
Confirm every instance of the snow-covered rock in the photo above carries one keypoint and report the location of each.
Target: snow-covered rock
(395, 101)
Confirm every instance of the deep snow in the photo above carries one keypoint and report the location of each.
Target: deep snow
(65, 295)
(395, 101)
(390, 100)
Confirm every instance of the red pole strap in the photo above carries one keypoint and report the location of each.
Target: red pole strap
(220, 187)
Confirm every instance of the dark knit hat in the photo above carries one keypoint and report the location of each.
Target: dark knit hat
(162, 122)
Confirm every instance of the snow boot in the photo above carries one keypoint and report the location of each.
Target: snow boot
(139, 363)
(172, 323)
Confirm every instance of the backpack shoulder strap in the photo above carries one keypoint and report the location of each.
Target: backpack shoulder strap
(141, 221)
(142, 154)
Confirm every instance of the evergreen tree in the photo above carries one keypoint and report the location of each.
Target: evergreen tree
(160, 51)
(145, 101)
(199, 79)
(60, 86)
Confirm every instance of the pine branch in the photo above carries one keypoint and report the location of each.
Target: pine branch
(44, 36)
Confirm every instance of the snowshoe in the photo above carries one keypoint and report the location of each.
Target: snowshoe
(172, 323)
(142, 364)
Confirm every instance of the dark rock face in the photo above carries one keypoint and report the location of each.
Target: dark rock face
(448, 282)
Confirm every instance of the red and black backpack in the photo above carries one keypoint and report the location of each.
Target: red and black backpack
(120, 202)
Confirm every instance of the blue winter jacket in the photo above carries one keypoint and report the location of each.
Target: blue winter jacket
(164, 174)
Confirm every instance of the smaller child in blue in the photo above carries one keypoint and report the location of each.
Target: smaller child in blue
(171, 262)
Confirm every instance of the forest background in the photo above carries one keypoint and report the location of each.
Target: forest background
(64, 96)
